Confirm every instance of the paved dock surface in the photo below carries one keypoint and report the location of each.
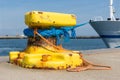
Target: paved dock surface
(110, 57)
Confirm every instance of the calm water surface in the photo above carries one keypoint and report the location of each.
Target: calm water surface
(7, 45)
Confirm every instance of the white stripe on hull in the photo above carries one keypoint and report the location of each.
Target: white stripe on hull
(111, 28)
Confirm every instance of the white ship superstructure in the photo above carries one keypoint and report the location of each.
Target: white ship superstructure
(108, 30)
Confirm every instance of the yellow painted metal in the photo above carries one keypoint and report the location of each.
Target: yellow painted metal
(13, 55)
(40, 19)
(43, 53)
(38, 57)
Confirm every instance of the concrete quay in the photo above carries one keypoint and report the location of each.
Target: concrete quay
(109, 57)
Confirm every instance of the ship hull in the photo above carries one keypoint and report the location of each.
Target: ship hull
(109, 31)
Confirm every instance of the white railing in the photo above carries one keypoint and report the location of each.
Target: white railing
(98, 18)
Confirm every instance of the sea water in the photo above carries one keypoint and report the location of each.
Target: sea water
(7, 45)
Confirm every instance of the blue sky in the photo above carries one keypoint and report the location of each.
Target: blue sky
(12, 13)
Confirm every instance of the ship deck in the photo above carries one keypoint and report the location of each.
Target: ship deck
(110, 57)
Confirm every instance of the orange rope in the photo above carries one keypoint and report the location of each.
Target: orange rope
(35, 32)
(86, 65)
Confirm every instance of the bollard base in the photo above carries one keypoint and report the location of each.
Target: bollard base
(39, 57)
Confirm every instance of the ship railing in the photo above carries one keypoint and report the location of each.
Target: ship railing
(98, 18)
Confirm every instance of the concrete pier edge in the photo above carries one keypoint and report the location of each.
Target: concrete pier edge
(109, 57)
